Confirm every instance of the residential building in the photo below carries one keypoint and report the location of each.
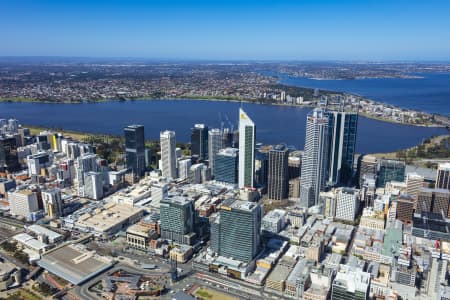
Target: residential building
(93, 185)
(53, 203)
(23, 203)
(315, 158)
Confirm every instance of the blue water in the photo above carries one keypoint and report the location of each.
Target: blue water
(274, 124)
(430, 93)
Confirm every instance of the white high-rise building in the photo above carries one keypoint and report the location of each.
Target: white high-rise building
(184, 166)
(23, 203)
(315, 158)
(214, 145)
(159, 192)
(168, 154)
(347, 204)
(93, 185)
(247, 132)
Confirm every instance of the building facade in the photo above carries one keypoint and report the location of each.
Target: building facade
(278, 175)
(247, 135)
(135, 149)
(226, 165)
(168, 154)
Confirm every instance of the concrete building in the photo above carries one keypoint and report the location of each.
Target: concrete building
(367, 164)
(159, 192)
(181, 253)
(277, 180)
(247, 136)
(226, 165)
(240, 227)
(214, 145)
(350, 283)
(139, 236)
(184, 167)
(135, 149)
(405, 208)
(433, 200)
(93, 185)
(315, 158)
(177, 220)
(274, 221)
(23, 203)
(347, 204)
(53, 203)
(168, 155)
(414, 182)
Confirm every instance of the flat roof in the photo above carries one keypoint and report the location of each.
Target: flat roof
(74, 263)
(38, 229)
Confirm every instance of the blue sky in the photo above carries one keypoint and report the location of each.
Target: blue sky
(259, 30)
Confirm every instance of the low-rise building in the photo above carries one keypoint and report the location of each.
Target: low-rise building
(181, 253)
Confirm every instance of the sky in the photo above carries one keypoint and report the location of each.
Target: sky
(352, 30)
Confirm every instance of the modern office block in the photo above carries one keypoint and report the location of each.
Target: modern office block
(414, 182)
(135, 149)
(168, 154)
(247, 132)
(390, 170)
(433, 200)
(184, 166)
(177, 219)
(367, 164)
(350, 283)
(23, 203)
(443, 176)
(214, 145)
(343, 128)
(405, 208)
(240, 230)
(199, 141)
(226, 165)
(278, 176)
(93, 185)
(8, 154)
(315, 158)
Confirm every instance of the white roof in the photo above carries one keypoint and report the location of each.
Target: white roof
(37, 229)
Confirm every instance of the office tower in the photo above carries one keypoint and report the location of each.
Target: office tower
(443, 176)
(135, 149)
(342, 126)
(177, 219)
(199, 141)
(368, 189)
(8, 154)
(347, 204)
(168, 154)
(278, 180)
(215, 234)
(350, 283)
(367, 164)
(414, 182)
(38, 161)
(390, 170)
(247, 133)
(159, 192)
(53, 203)
(240, 227)
(214, 145)
(262, 166)
(315, 158)
(226, 169)
(227, 138)
(93, 185)
(433, 200)
(85, 163)
(294, 164)
(405, 208)
(23, 203)
(184, 166)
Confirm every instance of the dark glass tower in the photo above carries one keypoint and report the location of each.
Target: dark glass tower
(278, 177)
(199, 141)
(343, 128)
(135, 149)
(8, 154)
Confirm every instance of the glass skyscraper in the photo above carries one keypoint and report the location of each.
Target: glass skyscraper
(135, 149)
(214, 145)
(278, 176)
(199, 141)
(390, 170)
(342, 134)
(247, 133)
(226, 165)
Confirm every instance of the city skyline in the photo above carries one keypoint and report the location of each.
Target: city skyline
(199, 30)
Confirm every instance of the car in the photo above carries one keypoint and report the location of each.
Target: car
(172, 292)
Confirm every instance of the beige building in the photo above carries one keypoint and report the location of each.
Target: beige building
(139, 236)
(181, 253)
(372, 219)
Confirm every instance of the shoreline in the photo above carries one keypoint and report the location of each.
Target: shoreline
(199, 98)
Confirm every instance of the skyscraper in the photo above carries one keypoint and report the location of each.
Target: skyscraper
(135, 149)
(199, 141)
(168, 155)
(8, 154)
(315, 158)
(278, 177)
(347, 204)
(367, 164)
(342, 126)
(214, 145)
(226, 169)
(443, 176)
(240, 229)
(177, 219)
(247, 132)
(390, 170)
